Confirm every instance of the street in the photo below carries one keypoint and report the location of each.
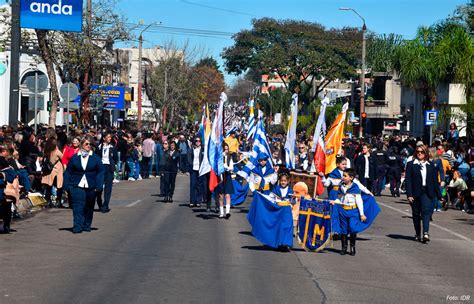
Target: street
(146, 251)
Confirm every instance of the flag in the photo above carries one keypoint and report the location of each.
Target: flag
(205, 166)
(260, 145)
(216, 153)
(201, 125)
(314, 223)
(251, 124)
(334, 139)
(272, 224)
(318, 148)
(290, 144)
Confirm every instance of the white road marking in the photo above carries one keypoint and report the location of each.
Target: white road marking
(431, 224)
(134, 203)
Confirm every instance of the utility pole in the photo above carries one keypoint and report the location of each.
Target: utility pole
(14, 63)
(362, 71)
(140, 50)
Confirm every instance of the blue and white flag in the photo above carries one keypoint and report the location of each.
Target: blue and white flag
(260, 145)
(290, 144)
(252, 126)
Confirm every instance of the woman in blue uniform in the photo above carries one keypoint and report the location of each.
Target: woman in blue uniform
(84, 177)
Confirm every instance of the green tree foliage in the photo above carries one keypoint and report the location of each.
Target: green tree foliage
(297, 52)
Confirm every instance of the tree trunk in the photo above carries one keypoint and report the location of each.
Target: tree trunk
(85, 96)
(44, 47)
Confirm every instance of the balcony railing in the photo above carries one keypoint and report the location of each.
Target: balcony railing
(376, 103)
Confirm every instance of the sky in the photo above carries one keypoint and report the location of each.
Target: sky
(382, 16)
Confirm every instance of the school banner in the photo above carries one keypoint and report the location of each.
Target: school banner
(314, 224)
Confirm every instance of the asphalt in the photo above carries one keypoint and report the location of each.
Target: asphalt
(147, 251)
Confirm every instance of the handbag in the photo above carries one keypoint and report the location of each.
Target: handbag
(12, 190)
(47, 167)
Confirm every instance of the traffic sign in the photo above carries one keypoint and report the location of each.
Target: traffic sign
(39, 104)
(68, 91)
(431, 117)
(42, 83)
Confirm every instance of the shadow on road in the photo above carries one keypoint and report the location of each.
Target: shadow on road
(401, 237)
(246, 233)
(205, 216)
(70, 229)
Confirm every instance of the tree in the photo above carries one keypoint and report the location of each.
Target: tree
(298, 52)
(208, 62)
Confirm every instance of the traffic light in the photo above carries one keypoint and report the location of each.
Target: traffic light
(49, 105)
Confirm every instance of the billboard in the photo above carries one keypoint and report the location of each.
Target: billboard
(113, 97)
(57, 15)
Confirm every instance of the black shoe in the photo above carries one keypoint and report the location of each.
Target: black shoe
(105, 210)
(191, 205)
(165, 199)
(426, 237)
(417, 238)
(352, 243)
(284, 248)
(6, 230)
(76, 231)
(343, 244)
(87, 229)
(198, 205)
(227, 216)
(170, 199)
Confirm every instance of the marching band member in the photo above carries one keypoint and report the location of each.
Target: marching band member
(351, 211)
(263, 175)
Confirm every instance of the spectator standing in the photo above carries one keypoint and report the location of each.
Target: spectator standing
(55, 177)
(109, 157)
(183, 147)
(148, 152)
(365, 167)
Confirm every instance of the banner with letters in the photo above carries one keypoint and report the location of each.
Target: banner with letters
(57, 15)
(314, 224)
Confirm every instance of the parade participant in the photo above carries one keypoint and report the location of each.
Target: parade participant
(225, 189)
(351, 211)
(334, 179)
(197, 183)
(381, 160)
(263, 175)
(282, 190)
(365, 167)
(170, 170)
(84, 177)
(422, 187)
(108, 154)
(163, 167)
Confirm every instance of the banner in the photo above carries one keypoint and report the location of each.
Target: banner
(56, 15)
(272, 224)
(314, 224)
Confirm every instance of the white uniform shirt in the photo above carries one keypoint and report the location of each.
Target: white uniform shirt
(350, 199)
(196, 152)
(106, 153)
(367, 170)
(84, 160)
(423, 170)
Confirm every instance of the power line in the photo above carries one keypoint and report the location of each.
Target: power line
(218, 8)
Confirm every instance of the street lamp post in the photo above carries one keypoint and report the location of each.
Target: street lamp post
(140, 46)
(362, 74)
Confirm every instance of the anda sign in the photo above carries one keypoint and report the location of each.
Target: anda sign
(58, 15)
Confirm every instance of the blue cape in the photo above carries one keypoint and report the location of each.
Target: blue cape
(258, 170)
(277, 190)
(271, 224)
(371, 210)
(240, 193)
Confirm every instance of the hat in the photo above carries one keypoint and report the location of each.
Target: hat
(262, 156)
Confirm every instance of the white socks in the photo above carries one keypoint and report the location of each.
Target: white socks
(227, 209)
(221, 210)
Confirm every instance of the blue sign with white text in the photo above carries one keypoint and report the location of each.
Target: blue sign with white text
(113, 97)
(56, 15)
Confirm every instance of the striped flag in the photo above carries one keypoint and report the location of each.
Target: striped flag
(318, 148)
(260, 145)
(290, 144)
(334, 139)
(216, 153)
(205, 166)
(252, 126)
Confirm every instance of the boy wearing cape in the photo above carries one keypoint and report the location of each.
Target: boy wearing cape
(352, 212)
(263, 175)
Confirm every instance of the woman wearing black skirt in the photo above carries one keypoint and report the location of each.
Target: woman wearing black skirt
(225, 188)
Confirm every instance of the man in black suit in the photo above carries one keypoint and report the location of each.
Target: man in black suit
(365, 167)
(109, 156)
(422, 187)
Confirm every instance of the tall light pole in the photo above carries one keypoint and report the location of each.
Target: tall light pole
(140, 45)
(362, 72)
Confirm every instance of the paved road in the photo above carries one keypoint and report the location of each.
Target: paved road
(146, 251)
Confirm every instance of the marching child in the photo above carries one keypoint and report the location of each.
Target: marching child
(351, 211)
(282, 190)
(334, 178)
(263, 175)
